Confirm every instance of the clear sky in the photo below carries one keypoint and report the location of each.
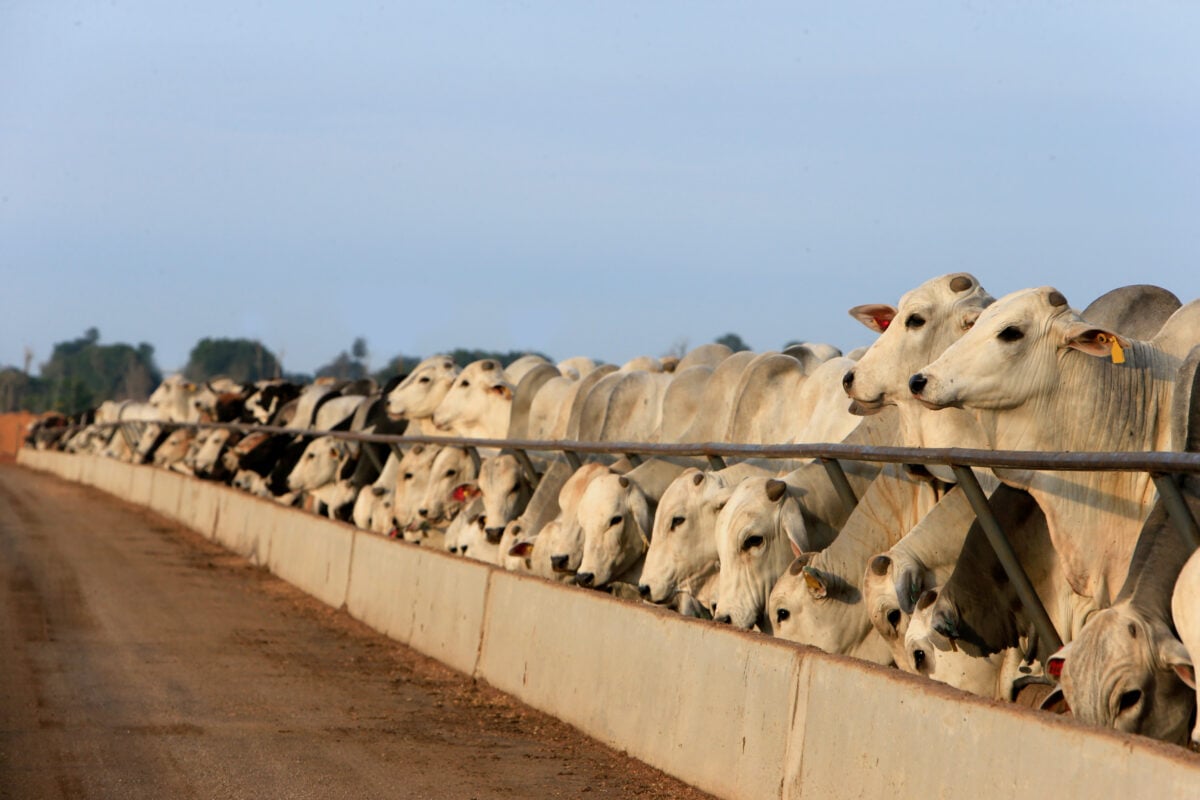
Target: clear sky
(605, 179)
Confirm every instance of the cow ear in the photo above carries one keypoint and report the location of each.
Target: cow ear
(1057, 662)
(521, 550)
(816, 582)
(1096, 341)
(970, 317)
(876, 316)
(1173, 654)
(502, 390)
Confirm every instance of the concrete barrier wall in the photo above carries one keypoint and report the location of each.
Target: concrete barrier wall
(738, 715)
(431, 601)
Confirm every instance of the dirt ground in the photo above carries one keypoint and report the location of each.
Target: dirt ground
(143, 661)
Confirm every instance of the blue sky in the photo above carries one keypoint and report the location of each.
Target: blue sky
(606, 179)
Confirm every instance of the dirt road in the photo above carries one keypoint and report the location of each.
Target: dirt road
(142, 661)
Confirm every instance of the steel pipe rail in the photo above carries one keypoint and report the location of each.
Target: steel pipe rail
(1148, 461)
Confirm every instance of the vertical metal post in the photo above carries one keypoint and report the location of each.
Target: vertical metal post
(838, 477)
(1177, 507)
(527, 466)
(634, 458)
(716, 462)
(1008, 559)
(371, 454)
(474, 454)
(572, 459)
(396, 449)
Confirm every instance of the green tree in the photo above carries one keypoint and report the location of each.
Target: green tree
(243, 360)
(733, 342)
(82, 372)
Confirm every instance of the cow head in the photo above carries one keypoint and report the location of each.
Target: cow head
(1013, 354)
(1127, 672)
(683, 547)
(755, 532)
(419, 394)
(478, 403)
(928, 320)
(814, 605)
(452, 467)
(505, 491)
(319, 464)
(615, 519)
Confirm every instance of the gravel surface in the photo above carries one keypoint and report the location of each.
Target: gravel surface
(144, 661)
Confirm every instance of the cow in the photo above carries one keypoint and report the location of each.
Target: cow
(505, 491)
(755, 532)
(450, 486)
(1041, 377)
(417, 396)
(478, 403)
(563, 548)
(1185, 610)
(977, 600)
(681, 565)
(412, 478)
(615, 516)
(1126, 668)
(316, 473)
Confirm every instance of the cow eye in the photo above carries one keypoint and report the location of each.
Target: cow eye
(1129, 699)
(914, 321)
(408, 476)
(752, 542)
(676, 522)
(616, 520)
(782, 614)
(513, 490)
(450, 473)
(465, 384)
(1010, 334)
(424, 380)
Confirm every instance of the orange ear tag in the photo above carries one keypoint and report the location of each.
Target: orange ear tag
(1118, 354)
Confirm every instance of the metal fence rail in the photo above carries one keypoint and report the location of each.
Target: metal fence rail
(1163, 467)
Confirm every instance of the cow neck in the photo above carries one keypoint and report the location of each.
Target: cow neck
(891, 507)
(1094, 517)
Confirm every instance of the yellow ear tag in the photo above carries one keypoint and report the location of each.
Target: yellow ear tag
(1118, 354)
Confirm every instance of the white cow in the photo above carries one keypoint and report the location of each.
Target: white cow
(754, 545)
(451, 486)
(316, 473)
(1123, 670)
(1185, 609)
(682, 565)
(616, 515)
(478, 404)
(1043, 378)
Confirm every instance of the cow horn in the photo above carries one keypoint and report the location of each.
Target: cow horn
(1056, 298)
(960, 283)
(698, 478)
(623, 481)
(880, 565)
(775, 490)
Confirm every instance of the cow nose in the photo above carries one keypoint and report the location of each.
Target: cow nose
(585, 578)
(848, 380)
(919, 658)
(559, 562)
(643, 590)
(916, 384)
(725, 619)
(494, 534)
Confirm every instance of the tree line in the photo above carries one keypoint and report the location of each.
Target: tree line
(81, 373)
